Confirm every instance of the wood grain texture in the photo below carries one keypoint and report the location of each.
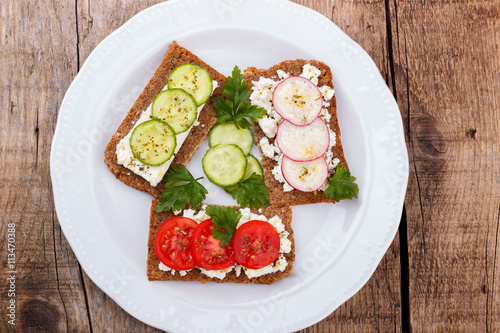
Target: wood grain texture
(377, 306)
(38, 62)
(440, 58)
(96, 19)
(446, 63)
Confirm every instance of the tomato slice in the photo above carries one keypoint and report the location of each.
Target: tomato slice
(206, 251)
(256, 244)
(172, 243)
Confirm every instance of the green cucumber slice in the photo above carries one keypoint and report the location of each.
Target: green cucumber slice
(253, 166)
(177, 107)
(227, 133)
(194, 79)
(224, 165)
(153, 142)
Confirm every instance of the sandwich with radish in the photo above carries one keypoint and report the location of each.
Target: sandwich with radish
(299, 136)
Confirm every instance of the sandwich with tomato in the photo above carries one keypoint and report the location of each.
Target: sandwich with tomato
(221, 244)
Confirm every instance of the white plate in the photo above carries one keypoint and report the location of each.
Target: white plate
(106, 222)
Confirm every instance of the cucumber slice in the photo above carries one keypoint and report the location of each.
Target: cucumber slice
(224, 165)
(194, 79)
(177, 107)
(227, 133)
(153, 142)
(253, 166)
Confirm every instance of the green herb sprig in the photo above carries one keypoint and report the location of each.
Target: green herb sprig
(341, 185)
(225, 220)
(181, 189)
(236, 107)
(252, 192)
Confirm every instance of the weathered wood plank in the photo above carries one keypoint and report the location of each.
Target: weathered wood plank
(96, 20)
(38, 62)
(447, 69)
(377, 306)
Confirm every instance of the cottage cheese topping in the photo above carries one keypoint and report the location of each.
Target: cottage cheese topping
(278, 175)
(269, 150)
(153, 174)
(165, 268)
(279, 265)
(246, 216)
(262, 95)
(198, 217)
(311, 73)
(220, 274)
(282, 74)
(269, 126)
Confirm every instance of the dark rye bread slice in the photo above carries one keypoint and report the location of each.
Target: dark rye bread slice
(154, 273)
(175, 56)
(277, 197)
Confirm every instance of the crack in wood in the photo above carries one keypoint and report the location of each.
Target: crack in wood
(403, 229)
(77, 37)
(389, 48)
(489, 317)
(407, 95)
(12, 106)
(57, 270)
(37, 138)
(405, 272)
(87, 305)
(80, 269)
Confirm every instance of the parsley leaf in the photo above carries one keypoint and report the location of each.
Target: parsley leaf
(236, 88)
(181, 188)
(225, 220)
(236, 107)
(341, 185)
(252, 192)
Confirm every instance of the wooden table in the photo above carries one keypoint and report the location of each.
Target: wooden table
(441, 59)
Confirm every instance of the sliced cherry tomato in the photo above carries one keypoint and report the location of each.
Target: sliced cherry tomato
(256, 244)
(206, 251)
(172, 245)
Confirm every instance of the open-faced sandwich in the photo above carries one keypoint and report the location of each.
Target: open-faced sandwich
(292, 106)
(299, 137)
(167, 123)
(221, 244)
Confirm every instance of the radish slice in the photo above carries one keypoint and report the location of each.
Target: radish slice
(297, 100)
(305, 176)
(303, 143)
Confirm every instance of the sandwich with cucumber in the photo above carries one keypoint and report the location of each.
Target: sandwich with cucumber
(229, 162)
(167, 123)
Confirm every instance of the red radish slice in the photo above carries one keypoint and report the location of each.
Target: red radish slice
(297, 100)
(303, 143)
(305, 176)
